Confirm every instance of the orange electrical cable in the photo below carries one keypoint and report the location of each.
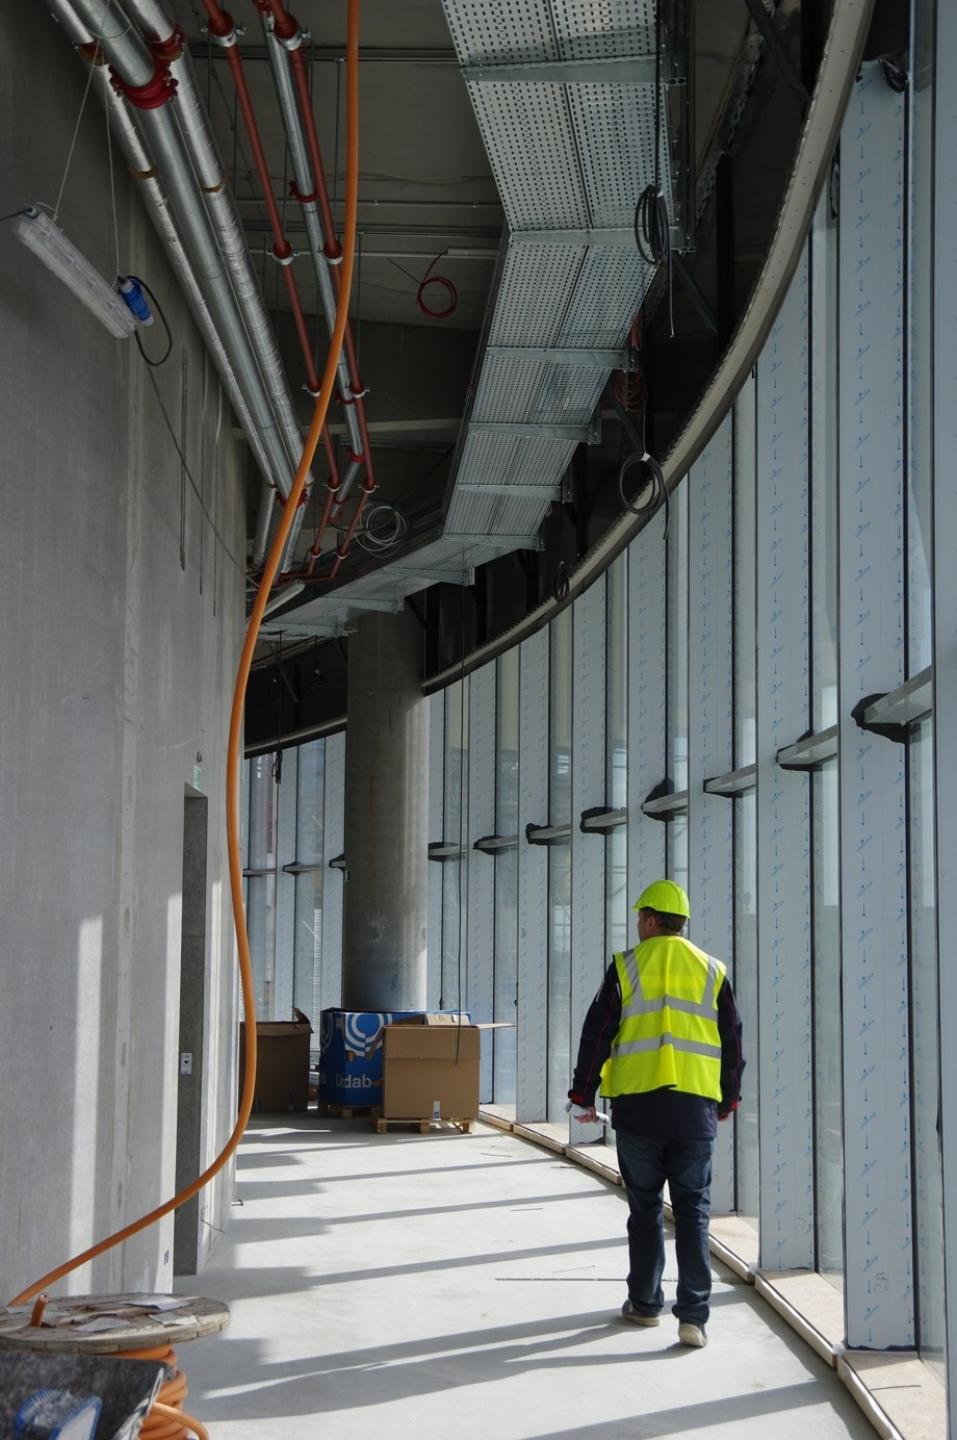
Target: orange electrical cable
(239, 692)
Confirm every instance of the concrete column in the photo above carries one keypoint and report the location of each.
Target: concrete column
(386, 819)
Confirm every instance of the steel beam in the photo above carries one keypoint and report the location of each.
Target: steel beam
(711, 729)
(588, 958)
(619, 70)
(878, 1260)
(531, 1071)
(783, 809)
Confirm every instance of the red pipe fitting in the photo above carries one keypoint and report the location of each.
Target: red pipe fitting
(156, 92)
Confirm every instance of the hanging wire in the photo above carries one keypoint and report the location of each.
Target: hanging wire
(652, 222)
(76, 131)
(109, 155)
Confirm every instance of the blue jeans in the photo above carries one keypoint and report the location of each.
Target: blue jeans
(645, 1165)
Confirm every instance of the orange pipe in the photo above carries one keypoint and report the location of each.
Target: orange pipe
(239, 694)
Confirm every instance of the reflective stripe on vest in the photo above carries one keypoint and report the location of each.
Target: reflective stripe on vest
(666, 1039)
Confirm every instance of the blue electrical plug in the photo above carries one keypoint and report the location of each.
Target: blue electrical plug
(133, 293)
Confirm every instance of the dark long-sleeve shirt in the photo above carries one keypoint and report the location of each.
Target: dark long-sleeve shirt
(666, 1113)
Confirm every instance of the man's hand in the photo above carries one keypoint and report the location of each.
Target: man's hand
(584, 1114)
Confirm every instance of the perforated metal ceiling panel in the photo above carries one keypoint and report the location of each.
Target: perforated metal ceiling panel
(492, 32)
(606, 298)
(532, 299)
(603, 29)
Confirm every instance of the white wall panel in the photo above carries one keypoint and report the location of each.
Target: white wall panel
(710, 738)
(530, 1098)
(783, 819)
(879, 1272)
(588, 791)
(481, 868)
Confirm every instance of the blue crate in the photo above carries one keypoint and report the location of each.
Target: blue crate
(350, 1055)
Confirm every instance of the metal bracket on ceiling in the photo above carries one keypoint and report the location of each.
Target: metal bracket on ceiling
(529, 430)
(492, 542)
(582, 359)
(433, 575)
(618, 70)
(607, 237)
(546, 493)
(388, 605)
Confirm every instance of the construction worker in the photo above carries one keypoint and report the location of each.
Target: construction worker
(664, 1038)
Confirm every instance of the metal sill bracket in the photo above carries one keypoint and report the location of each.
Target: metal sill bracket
(893, 713)
(548, 834)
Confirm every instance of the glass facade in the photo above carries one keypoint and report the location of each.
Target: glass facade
(617, 913)
(862, 1180)
(506, 879)
(559, 865)
(287, 811)
(828, 1085)
(925, 1030)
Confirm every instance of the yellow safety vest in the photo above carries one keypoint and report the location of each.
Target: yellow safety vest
(669, 1020)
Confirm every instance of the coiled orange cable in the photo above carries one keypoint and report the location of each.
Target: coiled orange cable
(170, 1397)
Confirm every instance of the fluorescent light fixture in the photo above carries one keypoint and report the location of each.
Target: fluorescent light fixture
(48, 242)
(288, 592)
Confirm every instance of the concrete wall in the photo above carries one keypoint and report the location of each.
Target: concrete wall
(120, 622)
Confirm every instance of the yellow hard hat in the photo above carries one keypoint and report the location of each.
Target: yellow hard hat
(666, 896)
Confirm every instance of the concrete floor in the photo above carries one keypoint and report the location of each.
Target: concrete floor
(419, 1286)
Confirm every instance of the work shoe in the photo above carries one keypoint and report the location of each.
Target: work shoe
(693, 1335)
(628, 1312)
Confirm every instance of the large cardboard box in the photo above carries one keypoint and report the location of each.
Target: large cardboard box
(431, 1070)
(282, 1066)
(350, 1055)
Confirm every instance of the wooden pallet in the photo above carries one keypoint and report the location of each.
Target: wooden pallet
(348, 1112)
(383, 1123)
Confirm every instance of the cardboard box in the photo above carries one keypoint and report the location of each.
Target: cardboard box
(431, 1070)
(350, 1055)
(282, 1066)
